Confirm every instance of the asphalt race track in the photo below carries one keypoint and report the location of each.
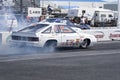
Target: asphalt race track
(100, 62)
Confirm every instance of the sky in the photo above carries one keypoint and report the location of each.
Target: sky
(90, 0)
(110, 0)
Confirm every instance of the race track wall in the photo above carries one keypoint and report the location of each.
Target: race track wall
(104, 34)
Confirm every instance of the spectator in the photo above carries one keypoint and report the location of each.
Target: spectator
(41, 18)
(28, 19)
(83, 20)
(49, 9)
(84, 23)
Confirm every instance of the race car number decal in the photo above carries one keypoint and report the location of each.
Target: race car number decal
(71, 42)
(68, 43)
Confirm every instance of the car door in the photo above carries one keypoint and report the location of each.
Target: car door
(51, 33)
(69, 37)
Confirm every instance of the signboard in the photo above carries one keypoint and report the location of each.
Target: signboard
(34, 12)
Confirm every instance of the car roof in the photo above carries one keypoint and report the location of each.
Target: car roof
(53, 20)
(50, 23)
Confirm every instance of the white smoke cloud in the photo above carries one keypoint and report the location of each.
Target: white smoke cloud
(12, 49)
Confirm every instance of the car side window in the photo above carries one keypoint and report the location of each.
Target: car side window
(56, 29)
(66, 29)
(48, 30)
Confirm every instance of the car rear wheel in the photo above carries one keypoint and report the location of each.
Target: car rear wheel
(50, 45)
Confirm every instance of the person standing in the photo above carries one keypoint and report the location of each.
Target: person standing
(49, 9)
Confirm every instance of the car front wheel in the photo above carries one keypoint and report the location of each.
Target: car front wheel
(85, 44)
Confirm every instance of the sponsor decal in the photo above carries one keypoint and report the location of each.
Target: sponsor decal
(114, 35)
(98, 34)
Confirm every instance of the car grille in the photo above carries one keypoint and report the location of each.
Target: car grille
(23, 38)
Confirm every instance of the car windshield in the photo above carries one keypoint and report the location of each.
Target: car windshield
(34, 28)
(69, 23)
(49, 20)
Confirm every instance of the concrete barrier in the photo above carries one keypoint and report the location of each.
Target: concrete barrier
(104, 34)
(4, 37)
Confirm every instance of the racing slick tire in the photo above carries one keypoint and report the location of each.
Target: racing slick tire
(50, 45)
(85, 44)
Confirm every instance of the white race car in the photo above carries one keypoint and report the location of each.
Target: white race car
(51, 35)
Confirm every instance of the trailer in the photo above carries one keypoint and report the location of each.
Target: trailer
(96, 16)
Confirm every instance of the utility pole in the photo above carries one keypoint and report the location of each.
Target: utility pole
(118, 23)
(69, 4)
(42, 3)
(21, 6)
(33, 2)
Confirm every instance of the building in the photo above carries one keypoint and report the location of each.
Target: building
(71, 3)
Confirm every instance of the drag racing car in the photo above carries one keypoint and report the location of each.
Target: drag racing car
(51, 35)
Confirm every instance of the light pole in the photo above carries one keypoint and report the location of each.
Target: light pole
(33, 2)
(69, 4)
(42, 3)
(21, 6)
(118, 22)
